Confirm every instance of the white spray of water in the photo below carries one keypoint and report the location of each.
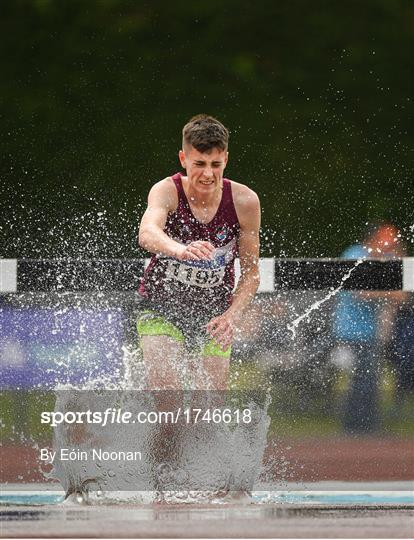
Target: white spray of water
(218, 456)
(292, 327)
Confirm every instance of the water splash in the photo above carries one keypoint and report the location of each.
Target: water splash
(209, 460)
(296, 322)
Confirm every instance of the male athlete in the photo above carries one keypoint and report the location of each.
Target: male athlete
(195, 226)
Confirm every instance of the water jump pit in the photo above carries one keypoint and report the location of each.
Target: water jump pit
(377, 511)
(301, 509)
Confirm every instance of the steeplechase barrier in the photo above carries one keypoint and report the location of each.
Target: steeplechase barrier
(80, 275)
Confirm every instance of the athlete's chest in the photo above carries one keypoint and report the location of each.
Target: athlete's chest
(203, 214)
(184, 226)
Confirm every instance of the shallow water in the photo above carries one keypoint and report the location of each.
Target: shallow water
(275, 517)
(390, 493)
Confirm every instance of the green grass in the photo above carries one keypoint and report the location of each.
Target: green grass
(20, 414)
(321, 414)
(304, 426)
(296, 410)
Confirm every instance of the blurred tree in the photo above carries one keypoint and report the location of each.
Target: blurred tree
(317, 95)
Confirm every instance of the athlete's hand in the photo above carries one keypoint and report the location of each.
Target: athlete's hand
(221, 329)
(199, 250)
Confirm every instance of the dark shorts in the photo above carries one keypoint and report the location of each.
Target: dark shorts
(184, 324)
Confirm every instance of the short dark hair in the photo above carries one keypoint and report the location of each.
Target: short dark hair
(204, 132)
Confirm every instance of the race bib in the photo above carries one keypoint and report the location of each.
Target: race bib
(193, 275)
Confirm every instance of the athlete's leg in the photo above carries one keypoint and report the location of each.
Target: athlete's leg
(211, 373)
(162, 346)
(211, 368)
(163, 359)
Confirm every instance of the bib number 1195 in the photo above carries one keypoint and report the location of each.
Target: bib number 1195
(191, 275)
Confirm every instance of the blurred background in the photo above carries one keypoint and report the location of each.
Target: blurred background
(318, 97)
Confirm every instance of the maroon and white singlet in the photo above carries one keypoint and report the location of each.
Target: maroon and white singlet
(195, 288)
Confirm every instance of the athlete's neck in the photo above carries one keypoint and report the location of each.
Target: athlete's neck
(200, 198)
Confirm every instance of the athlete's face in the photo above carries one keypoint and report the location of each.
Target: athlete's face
(204, 169)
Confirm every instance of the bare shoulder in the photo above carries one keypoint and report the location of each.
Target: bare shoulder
(246, 202)
(164, 193)
(165, 186)
(243, 196)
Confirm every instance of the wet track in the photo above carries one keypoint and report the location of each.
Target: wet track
(227, 520)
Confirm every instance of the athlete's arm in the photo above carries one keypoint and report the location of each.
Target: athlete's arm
(248, 211)
(163, 199)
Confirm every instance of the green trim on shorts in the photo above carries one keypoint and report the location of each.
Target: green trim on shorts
(212, 349)
(151, 324)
